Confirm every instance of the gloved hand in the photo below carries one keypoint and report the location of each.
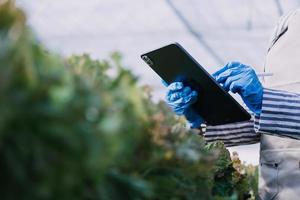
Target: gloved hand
(242, 79)
(180, 99)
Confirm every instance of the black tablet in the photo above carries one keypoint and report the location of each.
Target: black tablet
(173, 63)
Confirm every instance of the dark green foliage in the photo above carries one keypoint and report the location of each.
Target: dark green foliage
(79, 128)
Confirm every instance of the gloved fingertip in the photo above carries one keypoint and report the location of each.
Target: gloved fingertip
(196, 121)
(187, 90)
(175, 86)
(194, 93)
(233, 64)
(220, 78)
(233, 91)
(215, 74)
(234, 87)
(224, 87)
(174, 96)
(218, 72)
(193, 97)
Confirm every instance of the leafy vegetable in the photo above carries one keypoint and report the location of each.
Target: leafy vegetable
(79, 128)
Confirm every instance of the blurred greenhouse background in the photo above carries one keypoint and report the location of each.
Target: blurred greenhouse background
(213, 31)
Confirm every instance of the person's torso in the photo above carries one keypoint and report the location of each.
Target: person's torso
(279, 176)
(280, 156)
(283, 58)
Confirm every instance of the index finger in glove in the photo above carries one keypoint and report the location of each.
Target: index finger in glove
(221, 78)
(226, 67)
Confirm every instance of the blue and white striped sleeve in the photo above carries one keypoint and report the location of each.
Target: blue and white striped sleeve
(280, 113)
(234, 134)
(280, 116)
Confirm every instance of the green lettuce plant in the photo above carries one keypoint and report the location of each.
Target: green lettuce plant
(78, 128)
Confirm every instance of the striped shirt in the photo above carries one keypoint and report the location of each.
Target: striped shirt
(280, 116)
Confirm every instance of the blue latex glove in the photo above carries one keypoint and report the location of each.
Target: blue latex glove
(242, 79)
(180, 99)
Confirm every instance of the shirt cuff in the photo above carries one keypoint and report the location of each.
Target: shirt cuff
(280, 113)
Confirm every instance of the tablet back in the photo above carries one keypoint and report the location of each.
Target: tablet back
(172, 63)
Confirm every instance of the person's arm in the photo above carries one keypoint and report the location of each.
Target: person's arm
(180, 99)
(280, 114)
(234, 134)
(234, 77)
(241, 79)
